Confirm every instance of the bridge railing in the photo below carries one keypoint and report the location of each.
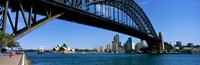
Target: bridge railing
(22, 60)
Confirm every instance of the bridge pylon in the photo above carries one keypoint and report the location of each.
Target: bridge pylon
(161, 42)
(156, 46)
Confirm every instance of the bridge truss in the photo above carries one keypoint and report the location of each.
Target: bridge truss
(124, 15)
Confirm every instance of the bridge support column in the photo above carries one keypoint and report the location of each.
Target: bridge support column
(161, 42)
(5, 16)
(160, 47)
(155, 46)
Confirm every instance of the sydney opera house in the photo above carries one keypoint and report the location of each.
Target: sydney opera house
(62, 49)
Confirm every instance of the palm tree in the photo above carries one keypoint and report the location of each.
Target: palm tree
(5, 38)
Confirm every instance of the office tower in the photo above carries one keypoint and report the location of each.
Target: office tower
(190, 44)
(178, 44)
(139, 45)
(109, 47)
(128, 44)
(116, 43)
(133, 45)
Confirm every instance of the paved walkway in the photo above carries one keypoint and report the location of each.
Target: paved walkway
(5, 60)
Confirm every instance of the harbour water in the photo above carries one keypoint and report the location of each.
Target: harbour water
(114, 59)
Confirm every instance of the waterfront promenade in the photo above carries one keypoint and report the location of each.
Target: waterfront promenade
(5, 60)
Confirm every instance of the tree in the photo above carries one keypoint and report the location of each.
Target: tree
(144, 49)
(5, 38)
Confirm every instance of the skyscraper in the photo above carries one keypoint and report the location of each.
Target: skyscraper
(116, 43)
(128, 44)
(139, 45)
(133, 45)
(109, 47)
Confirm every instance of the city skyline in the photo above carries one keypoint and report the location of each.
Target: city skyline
(165, 17)
(98, 32)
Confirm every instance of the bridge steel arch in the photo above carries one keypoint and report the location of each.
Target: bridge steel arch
(131, 9)
(71, 10)
(136, 13)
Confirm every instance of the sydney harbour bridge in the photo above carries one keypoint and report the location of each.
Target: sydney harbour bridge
(123, 16)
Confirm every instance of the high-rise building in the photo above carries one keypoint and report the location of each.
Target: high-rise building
(119, 45)
(109, 47)
(190, 44)
(139, 45)
(100, 49)
(142, 42)
(116, 43)
(133, 45)
(178, 44)
(125, 46)
(128, 44)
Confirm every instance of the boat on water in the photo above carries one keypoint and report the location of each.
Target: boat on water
(41, 50)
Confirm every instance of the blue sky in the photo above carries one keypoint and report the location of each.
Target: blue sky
(178, 20)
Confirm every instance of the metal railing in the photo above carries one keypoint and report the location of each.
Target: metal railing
(21, 62)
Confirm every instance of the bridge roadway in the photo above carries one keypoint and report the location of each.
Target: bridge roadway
(76, 15)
